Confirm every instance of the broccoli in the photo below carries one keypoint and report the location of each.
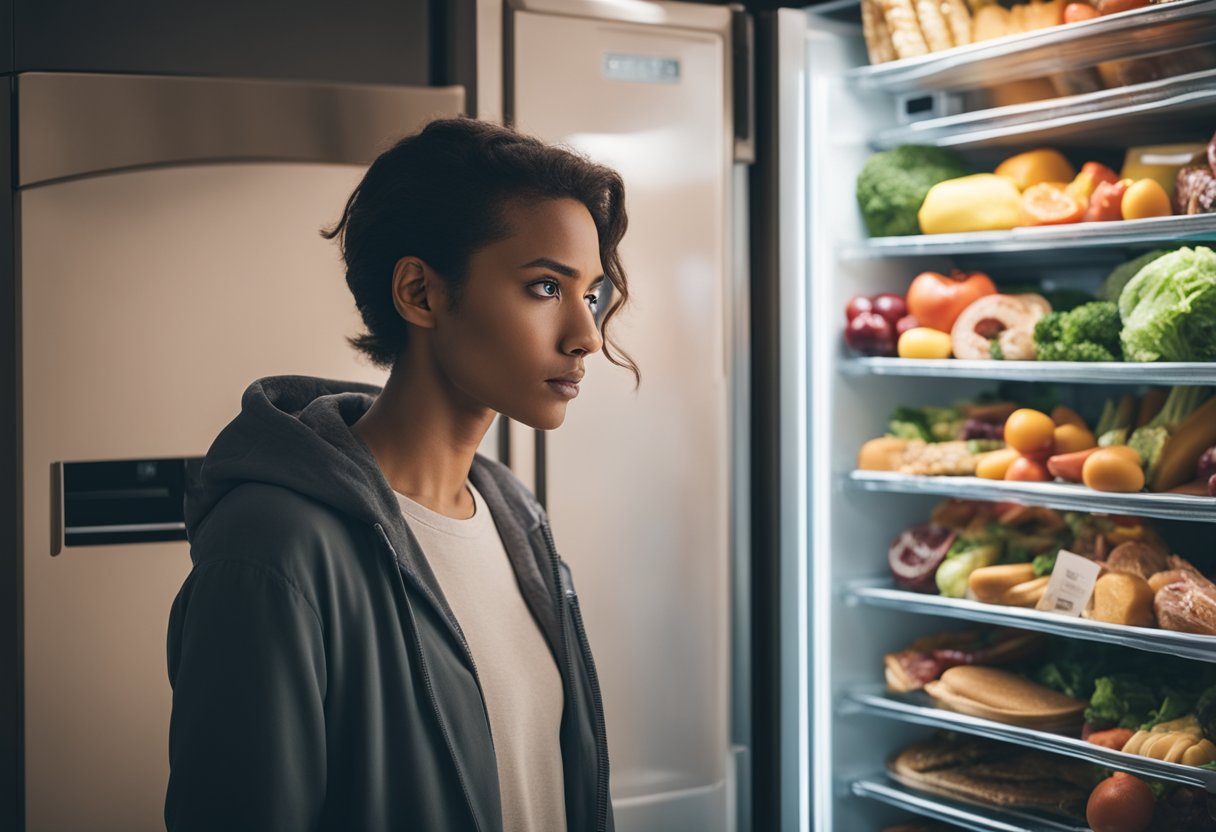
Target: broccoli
(1096, 323)
(994, 350)
(892, 185)
(1088, 333)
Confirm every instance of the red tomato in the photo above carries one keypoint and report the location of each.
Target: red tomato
(1106, 204)
(936, 301)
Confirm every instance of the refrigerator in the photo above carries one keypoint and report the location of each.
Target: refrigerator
(647, 487)
(821, 110)
(167, 255)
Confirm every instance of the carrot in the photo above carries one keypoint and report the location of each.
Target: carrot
(1068, 466)
(1114, 738)
(1049, 204)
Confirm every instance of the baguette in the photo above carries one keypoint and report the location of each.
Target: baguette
(933, 24)
(878, 37)
(906, 34)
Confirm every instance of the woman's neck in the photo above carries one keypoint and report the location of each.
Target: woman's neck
(424, 437)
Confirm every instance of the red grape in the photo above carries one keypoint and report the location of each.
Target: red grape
(870, 333)
(905, 323)
(891, 306)
(859, 304)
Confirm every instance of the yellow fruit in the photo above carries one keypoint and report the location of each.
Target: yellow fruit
(1035, 166)
(1145, 198)
(980, 202)
(1071, 437)
(994, 464)
(1030, 431)
(1110, 470)
(924, 342)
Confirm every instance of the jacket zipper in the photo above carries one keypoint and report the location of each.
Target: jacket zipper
(430, 689)
(601, 733)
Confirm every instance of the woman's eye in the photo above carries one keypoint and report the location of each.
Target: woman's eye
(592, 300)
(546, 288)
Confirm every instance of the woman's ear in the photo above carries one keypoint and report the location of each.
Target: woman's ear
(416, 290)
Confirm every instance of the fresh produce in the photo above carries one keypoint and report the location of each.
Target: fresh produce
(1150, 405)
(1033, 167)
(1120, 803)
(1070, 438)
(1092, 174)
(1205, 469)
(1116, 421)
(1119, 277)
(905, 323)
(1049, 203)
(1192, 435)
(916, 553)
(1171, 443)
(979, 202)
(1145, 198)
(928, 424)
(1030, 432)
(1106, 202)
(1068, 466)
(890, 305)
(1007, 320)
(1025, 469)
(924, 342)
(1089, 332)
(1109, 470)
(870, 334)
(1062, 415)
(952, 575)
(857, 305)
(1112, 738)
(995, 464)
(936, 300)
(892, 186)
(1123, 598)
(1169, 308)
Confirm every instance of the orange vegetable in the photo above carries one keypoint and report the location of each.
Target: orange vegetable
(936, 301)
(1068, 466)
(1025, 469)
(1106, 203)
(995, 464)
(1049, 204)
(1062, 415)
(1114, 738)
(1111, 470)
(1076, 12)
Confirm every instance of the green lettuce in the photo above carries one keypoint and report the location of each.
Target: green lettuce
(1169, 308)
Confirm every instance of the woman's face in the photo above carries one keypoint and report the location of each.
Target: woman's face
(517, 340)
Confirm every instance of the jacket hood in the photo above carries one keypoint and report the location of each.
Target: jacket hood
(295, 432)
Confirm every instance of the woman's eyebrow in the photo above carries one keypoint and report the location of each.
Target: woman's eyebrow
(547, 263)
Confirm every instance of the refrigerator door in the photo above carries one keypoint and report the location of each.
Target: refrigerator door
(149, 299)
(637, 482)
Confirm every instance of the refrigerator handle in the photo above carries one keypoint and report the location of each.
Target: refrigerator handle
(742, 47)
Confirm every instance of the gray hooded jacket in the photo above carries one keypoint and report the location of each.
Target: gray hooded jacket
(320, 681)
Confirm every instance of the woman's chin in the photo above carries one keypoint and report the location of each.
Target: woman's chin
(550, 418)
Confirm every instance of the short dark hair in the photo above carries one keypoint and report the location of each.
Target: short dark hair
(440, 195)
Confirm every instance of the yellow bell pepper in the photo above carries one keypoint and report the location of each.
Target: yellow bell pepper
(981, 202)
(1035, 166)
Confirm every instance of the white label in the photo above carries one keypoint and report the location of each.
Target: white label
(1072, 582)
(644, 68)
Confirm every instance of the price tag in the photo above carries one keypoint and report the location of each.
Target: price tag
(1072, 582)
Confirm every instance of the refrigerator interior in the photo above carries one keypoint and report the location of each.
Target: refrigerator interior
(838, 126)
(649, 536)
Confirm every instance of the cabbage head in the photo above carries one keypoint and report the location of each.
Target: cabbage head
(1169, 308)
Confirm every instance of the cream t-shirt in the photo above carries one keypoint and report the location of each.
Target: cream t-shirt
(519, 677)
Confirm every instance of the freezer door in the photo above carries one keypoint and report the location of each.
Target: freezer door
(637, 481)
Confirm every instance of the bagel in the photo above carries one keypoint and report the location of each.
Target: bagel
(1009, 319)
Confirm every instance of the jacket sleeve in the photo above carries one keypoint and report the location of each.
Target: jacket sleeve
(247, 731)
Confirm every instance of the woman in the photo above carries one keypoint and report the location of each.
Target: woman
(377, 633)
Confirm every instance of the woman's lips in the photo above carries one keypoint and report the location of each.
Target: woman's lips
(565, 389)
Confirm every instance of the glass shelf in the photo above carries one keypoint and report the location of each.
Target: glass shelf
(1144, 31)
(1141, 234)
(1052, 494)
(883, 593)
(1079, 372)
(968, 816)
(918, 708)
(1140, 114)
